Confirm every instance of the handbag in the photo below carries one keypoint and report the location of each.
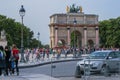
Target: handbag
(12, 58)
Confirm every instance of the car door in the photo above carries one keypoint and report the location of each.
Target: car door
(117, 56)
(112, 61)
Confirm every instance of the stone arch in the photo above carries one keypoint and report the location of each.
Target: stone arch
(90, 43)
(62, 26)
(76, 39)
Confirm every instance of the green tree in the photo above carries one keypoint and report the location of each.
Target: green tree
(110, 32)
(73, 39)
(34, 43)
(13, 33)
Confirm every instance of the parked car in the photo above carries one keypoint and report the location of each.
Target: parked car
(105, 61)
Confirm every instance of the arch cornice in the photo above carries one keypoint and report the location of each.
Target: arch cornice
(72, 25)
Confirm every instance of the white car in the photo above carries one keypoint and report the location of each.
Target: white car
(105, 61)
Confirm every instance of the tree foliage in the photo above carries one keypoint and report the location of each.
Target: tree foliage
(13, 33)
(110, 33)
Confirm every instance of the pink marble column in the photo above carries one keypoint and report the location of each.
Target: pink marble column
(68, 35)
(97, 36)
(56, 36)
(85, 36)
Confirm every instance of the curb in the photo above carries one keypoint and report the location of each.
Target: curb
(49, 62)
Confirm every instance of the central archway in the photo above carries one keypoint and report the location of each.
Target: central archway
(90, 43)
(76, 39)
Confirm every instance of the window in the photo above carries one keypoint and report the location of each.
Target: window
(114, 54)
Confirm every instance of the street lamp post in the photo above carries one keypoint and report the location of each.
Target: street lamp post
(74, 48)
(38, 38)
(22, 14)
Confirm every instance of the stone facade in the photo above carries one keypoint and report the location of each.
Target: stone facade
(84, 26)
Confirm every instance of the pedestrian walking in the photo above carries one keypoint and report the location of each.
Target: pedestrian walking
(2, 60)
(44, 53)
(15, 53)
(37, 54)
(32, 52)
(65, 52)
(47, 52)
(54, 51)
(7, 60)
(58, 53)
(27, 54)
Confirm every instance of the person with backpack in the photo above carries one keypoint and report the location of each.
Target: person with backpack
(2, 60)
(15, 53)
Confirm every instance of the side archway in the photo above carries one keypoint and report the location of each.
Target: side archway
(90, 43)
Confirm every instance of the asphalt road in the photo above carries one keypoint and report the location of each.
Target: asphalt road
(62, 69)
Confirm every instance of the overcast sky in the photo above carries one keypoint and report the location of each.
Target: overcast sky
(38, 12)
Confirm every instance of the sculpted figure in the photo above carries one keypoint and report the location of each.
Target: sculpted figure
(74, 9)
(3, 37)
(67, 9)
(80, 8)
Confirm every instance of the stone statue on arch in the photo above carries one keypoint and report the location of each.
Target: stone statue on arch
(74, 9)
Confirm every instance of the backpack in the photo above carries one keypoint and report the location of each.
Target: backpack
(1, 55)
(16, 56)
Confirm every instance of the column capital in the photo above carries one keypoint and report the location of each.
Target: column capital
(68, 28)
(96, 28)
(56, 28)
(84, 28)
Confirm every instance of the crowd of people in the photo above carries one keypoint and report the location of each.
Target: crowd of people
(41, 53)
(9, 57)
(9, 60)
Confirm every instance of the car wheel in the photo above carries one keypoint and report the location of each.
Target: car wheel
(105, 70)
(77, 72)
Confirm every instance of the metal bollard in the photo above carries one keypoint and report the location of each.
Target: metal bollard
(86, 69)
(52, 67)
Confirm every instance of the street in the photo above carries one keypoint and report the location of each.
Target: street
(60, 69)
(64, 71)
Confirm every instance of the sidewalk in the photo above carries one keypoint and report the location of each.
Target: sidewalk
(28, 77)
(32, 63)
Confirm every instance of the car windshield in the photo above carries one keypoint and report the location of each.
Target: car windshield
(98, 55)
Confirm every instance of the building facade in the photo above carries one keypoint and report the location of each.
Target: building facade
(74, 29)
